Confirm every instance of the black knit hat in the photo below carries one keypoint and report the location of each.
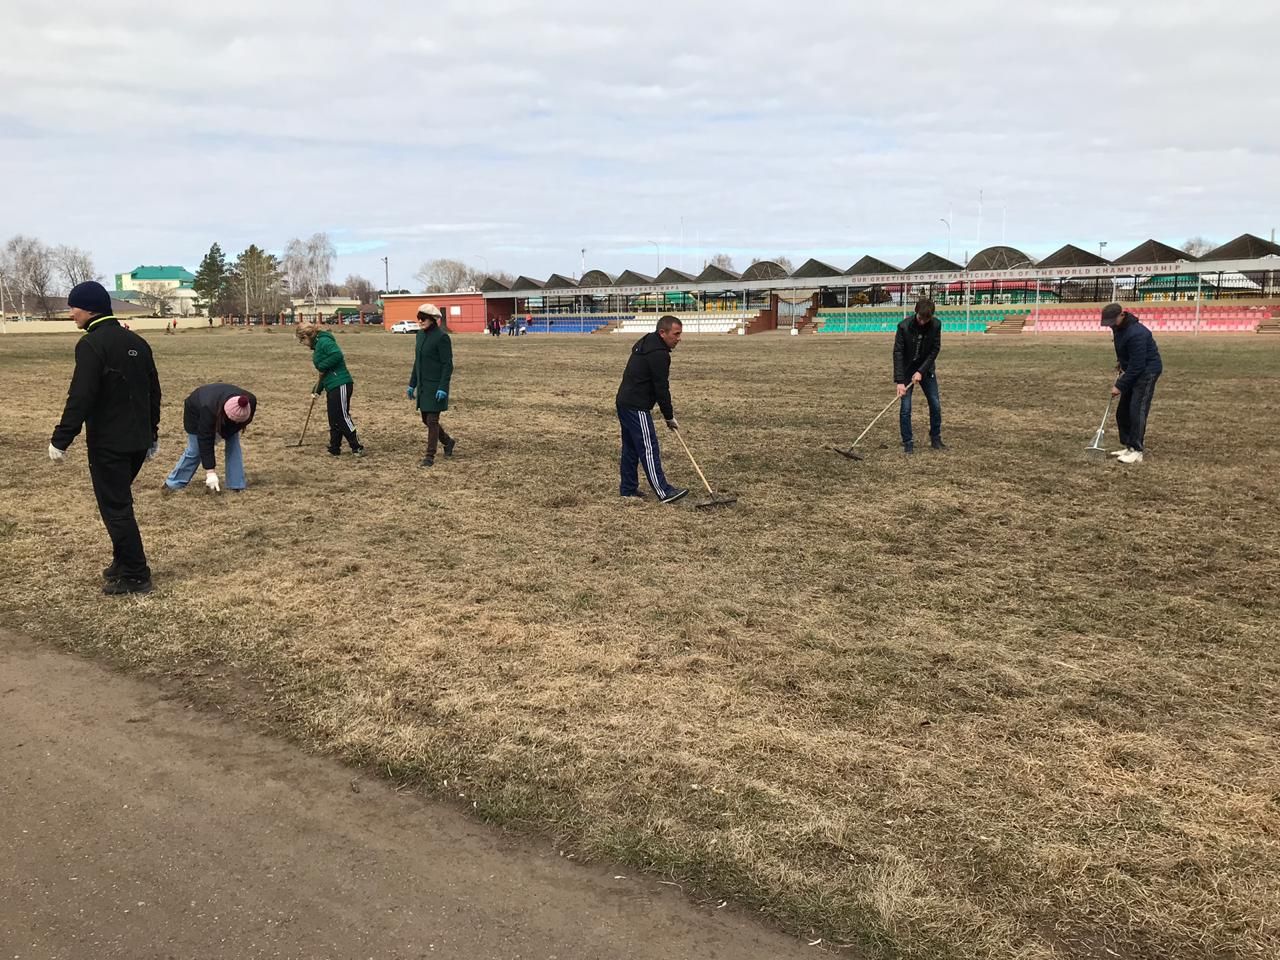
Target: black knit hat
(91, 296)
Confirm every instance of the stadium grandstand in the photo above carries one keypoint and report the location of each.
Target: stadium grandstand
(1234, 288)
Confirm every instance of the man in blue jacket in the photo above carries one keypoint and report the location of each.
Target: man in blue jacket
(1138, 361)
(646, 381)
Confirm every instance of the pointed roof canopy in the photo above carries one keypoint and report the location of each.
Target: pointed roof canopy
(1244, 247)
(932, 263)
(526, 283)
(713, 273)
(1072, 256)
(491, 285)
(558, 281)
(629, 278)
(671, 275)
(815, 268)
(1153, 251)
(869, 265)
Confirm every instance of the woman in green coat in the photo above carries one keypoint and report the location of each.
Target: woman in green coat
(429, 381)
(335, 382)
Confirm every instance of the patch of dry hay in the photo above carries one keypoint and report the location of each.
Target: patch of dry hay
(1001, 703)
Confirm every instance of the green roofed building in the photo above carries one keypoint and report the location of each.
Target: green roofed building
(166, 290)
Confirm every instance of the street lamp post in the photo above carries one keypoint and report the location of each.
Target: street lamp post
(386, 276)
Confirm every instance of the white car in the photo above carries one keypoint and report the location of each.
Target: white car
(404, 326)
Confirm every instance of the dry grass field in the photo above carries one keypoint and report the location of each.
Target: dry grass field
(1004, 702)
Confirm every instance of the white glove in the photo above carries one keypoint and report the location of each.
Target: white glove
(56, 455)
(153, 450)
(211, 482)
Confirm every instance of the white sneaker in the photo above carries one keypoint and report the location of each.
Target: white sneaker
(1118, 453)
(1133, 456)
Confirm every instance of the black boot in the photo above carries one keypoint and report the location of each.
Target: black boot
(427, 462)
(448, 446)
(111, 572)
(937, 444)
(127, 585)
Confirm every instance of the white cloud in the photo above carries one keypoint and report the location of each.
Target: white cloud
(521, 131)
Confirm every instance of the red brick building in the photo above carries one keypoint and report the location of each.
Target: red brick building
(464, 312)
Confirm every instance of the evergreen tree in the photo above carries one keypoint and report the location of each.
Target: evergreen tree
(256, 285)
(210, 283)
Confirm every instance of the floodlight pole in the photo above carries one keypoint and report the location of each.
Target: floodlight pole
(657, 256)
(948, 223)
(386, 276)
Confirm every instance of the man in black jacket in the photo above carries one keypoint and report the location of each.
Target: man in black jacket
(644, 383)
(115, 396)
(915, 350)
(1139, 367)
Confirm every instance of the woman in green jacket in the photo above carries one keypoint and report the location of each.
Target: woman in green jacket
(429, 381)
(335, 382)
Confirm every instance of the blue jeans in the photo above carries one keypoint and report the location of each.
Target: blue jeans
(185, 468)
(929, 384)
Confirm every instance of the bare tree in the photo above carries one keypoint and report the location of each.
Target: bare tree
(309, 264)
(721, 260)
(74, 266)
(785, 263)
(360, 288)
(1198, 246)
(158, 297)
(29, 268)
(444, 276)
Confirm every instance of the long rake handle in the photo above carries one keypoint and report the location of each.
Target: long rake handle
(306, 423)
(1106, 415)
(694, 462)
(873, 422)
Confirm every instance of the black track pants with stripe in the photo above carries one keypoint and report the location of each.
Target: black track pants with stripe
(340, 422)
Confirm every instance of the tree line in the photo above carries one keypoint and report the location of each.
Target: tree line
(33, 274)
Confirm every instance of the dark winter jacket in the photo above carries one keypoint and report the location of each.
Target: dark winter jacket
(114, 393)
(203, 416)
(915, 348)
(1136, 352)
(432, 369)
(646, 380)
(327, 357)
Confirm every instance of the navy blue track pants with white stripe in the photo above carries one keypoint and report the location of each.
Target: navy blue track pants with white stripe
(640, 449)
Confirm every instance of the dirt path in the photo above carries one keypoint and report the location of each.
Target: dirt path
(134, 826)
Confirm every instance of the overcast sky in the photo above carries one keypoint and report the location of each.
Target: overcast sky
(512, 134)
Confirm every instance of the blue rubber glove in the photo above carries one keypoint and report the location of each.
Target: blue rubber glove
(440, 395)
(409, 392)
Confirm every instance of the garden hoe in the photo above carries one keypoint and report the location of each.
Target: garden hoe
(716, 499)
(852, 453)
(1096, 446)
(307, 422)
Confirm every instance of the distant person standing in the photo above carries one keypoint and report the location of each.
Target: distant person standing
(1139, 367)
(430, 378)
(915, 351)
(335, 382)
(212, 412)
(645, 382)
(115, 396)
